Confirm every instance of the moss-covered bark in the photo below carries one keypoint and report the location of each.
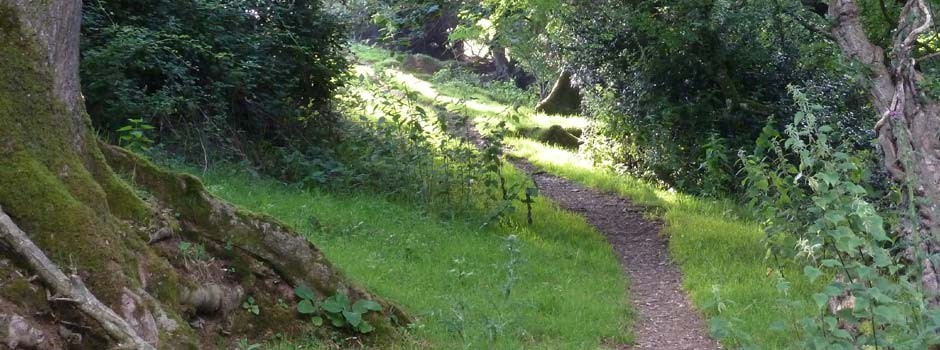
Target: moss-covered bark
(564, 98)
(57, 186)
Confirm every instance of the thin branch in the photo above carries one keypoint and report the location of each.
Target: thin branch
(69, 288)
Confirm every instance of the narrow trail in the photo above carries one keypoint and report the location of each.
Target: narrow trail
(665, 317)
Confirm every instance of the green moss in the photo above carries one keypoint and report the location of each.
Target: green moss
(45, 184)
(163, 282)
(21, 292)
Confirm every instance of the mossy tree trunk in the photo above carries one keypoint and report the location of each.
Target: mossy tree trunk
(564, 98)
(121, 238)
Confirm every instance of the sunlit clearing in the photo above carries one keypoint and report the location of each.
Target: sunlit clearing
(363, 70)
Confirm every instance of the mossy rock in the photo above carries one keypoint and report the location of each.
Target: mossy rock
(556, 135)
(423, 64)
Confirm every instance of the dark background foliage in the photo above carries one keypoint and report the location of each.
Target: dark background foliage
(217, 78)
(670, 81)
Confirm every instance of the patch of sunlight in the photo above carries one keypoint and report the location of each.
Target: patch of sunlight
(486, 107)
(364, 70)
(540, 152)
(568, 162)
(415, 84)
(426, 89)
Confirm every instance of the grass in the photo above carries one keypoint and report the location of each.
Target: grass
(570, 294)
(452, 274)
(721, 255)
(719, 252)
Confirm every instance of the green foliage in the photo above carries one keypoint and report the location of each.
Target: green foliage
(337, 310)
(420, 26)
(815, 202)
(216, 78)
(664, 80)
(133, 136)
(250, 306)
(396, 143)
(716, 167)
(528, 27)
(244, 344)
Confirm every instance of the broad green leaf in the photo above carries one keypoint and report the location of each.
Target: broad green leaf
(889, 314)
(333, 306)
(821, 299)
(812, 273)
(354, 318)
(363, 306)
(336, 319)
(365, 328)
(305, 292)
(317, 321)
(306, 307)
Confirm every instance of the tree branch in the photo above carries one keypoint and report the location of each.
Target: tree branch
(69, 287)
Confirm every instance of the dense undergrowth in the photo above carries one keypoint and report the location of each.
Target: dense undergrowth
(716, 243)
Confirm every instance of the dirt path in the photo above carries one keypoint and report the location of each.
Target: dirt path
(665, 318)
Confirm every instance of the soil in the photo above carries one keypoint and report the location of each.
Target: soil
(665, 317)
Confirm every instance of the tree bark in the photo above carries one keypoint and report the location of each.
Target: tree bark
(505, 69)
(109, 259)
(909, 125)
(564, 98)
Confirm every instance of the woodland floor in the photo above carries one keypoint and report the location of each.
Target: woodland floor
(666, 318)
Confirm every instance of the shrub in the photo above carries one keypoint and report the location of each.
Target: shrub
(227, 78)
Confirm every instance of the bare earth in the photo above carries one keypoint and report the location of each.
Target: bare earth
(666, 319)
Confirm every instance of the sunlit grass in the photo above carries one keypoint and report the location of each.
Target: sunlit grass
(717, 251)
(452, 274)
(463, 97)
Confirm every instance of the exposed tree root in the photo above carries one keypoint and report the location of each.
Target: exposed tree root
(66, 288)
(286, 252)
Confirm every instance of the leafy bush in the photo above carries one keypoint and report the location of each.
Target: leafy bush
(809, 187)
(227, 78)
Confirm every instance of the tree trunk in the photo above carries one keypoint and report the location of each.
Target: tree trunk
(504, 68)
(564, 98)
(909, 125)
(68, 218)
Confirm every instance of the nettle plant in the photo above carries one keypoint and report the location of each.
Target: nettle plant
(337, 309)
(812, 196)
(134, 137)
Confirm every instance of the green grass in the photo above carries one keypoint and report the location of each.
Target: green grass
(715, 249)
(452, 274)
